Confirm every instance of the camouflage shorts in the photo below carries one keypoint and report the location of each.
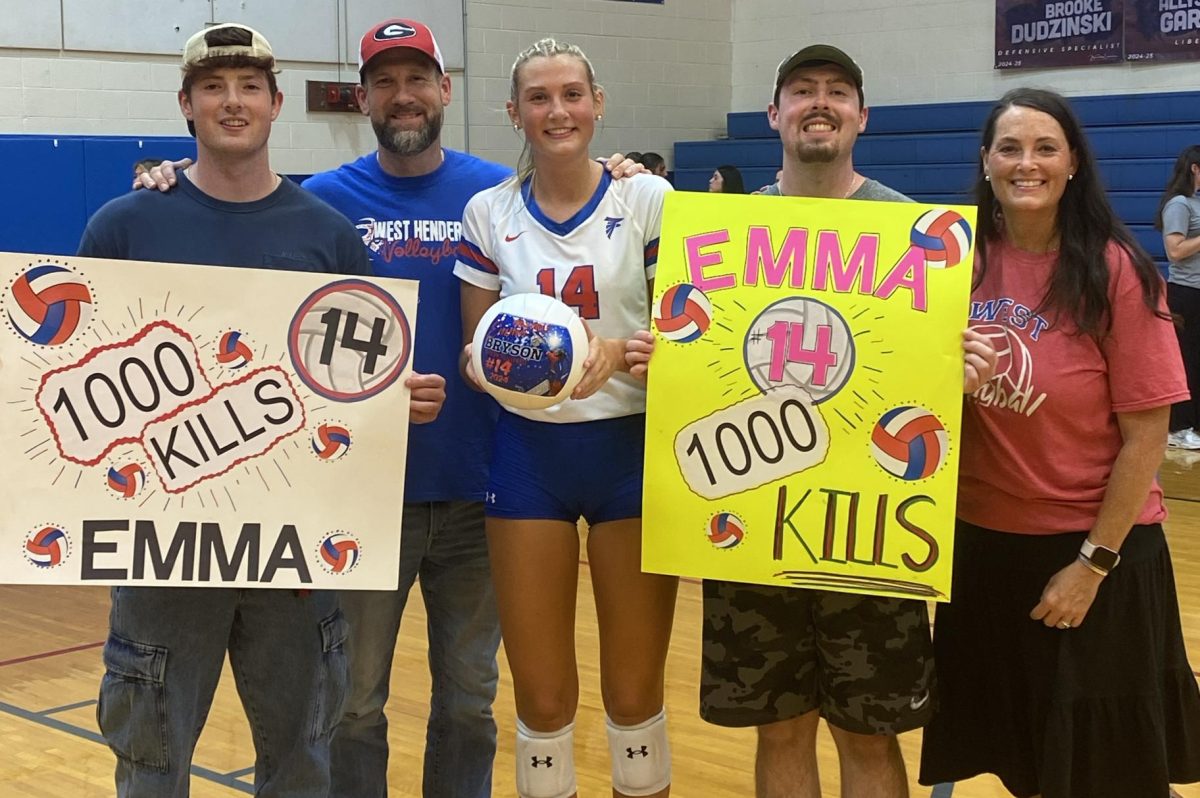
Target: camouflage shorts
(773, 653)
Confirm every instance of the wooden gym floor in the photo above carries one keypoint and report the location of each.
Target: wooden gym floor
(50, 667)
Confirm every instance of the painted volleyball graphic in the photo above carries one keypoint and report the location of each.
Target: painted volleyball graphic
(682, 314)
(232, 351)
(726, 530)
(340, 552)
(331, 441)
(48, 304)
(47, 547)
(126, 481)
(909, 442)
(944, 235)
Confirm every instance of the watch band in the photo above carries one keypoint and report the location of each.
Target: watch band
(1103, 558)
(1088, 565)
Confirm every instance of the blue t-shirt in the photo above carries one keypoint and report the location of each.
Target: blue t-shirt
(287, 229)
(411, 227)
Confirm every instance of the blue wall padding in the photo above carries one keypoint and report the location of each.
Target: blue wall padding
(57, 182)
(43, 208)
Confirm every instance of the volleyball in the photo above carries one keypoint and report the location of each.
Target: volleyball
(528, 351)
(726, 530)
(127, 481)
(801, 342)
(909, 443)
(330, 441)
(682, 314)
(232, 351)
(349, 340)
(944, 235)
(47, 547)
(47, 304)
(340, 552)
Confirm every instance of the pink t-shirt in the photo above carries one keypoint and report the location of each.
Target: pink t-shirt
(1040, 438)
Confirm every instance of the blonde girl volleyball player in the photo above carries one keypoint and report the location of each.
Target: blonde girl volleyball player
(562, 227)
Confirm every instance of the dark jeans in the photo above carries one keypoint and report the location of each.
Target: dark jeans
(163, 658)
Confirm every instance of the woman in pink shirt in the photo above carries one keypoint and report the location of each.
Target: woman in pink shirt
(1060, 660)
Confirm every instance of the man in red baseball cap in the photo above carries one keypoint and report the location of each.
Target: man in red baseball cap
(399, 33)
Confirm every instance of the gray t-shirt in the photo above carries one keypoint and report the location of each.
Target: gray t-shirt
(869, 190)
(1182, 215)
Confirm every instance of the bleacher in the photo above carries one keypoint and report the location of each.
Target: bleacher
(931, 152)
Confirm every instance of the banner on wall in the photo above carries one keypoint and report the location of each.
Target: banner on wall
(1162, 30)
(193, 425)
(805, 395)
(1033, 34)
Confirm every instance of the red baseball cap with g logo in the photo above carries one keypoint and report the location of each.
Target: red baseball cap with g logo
(398, 33)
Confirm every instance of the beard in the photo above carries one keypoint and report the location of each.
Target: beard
(816, 153)
(408, 142)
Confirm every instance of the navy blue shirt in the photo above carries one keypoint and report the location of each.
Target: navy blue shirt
(411, 227)
(288, 229)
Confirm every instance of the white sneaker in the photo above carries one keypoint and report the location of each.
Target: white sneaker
(1184, 439)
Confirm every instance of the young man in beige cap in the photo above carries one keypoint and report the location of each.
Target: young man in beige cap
(166, 645)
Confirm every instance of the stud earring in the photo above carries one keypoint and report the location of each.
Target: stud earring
(1071, 176)
(516, 127)
(987, 178)
(599, 117)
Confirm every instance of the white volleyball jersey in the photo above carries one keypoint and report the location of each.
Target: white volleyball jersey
(597, 262)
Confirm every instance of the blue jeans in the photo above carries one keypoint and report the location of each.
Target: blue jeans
(163, 659)
(443, 546)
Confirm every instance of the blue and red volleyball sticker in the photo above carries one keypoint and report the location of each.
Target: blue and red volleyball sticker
(909, 443)
(331, 441)
(726, 531)
(944, 235)
(233, 351)
(339, 553)
(126, 480)
(48, 304)
(47, 546)
(683, 313)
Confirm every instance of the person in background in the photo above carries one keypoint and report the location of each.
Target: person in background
(1179, 220)
(726, 180)
(655, 164)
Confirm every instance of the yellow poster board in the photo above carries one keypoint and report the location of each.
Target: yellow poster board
(805, 393)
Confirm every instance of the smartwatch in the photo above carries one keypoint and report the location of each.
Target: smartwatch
(1104, 559)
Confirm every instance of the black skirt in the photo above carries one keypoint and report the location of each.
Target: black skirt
(1107, 710)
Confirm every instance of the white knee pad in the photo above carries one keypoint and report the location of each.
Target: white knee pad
(641, 756)
(545, 762)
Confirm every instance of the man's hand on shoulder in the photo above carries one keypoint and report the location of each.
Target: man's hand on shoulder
(161, 177)
(619, 166)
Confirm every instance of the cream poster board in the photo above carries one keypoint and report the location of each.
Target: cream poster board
(170, 424)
